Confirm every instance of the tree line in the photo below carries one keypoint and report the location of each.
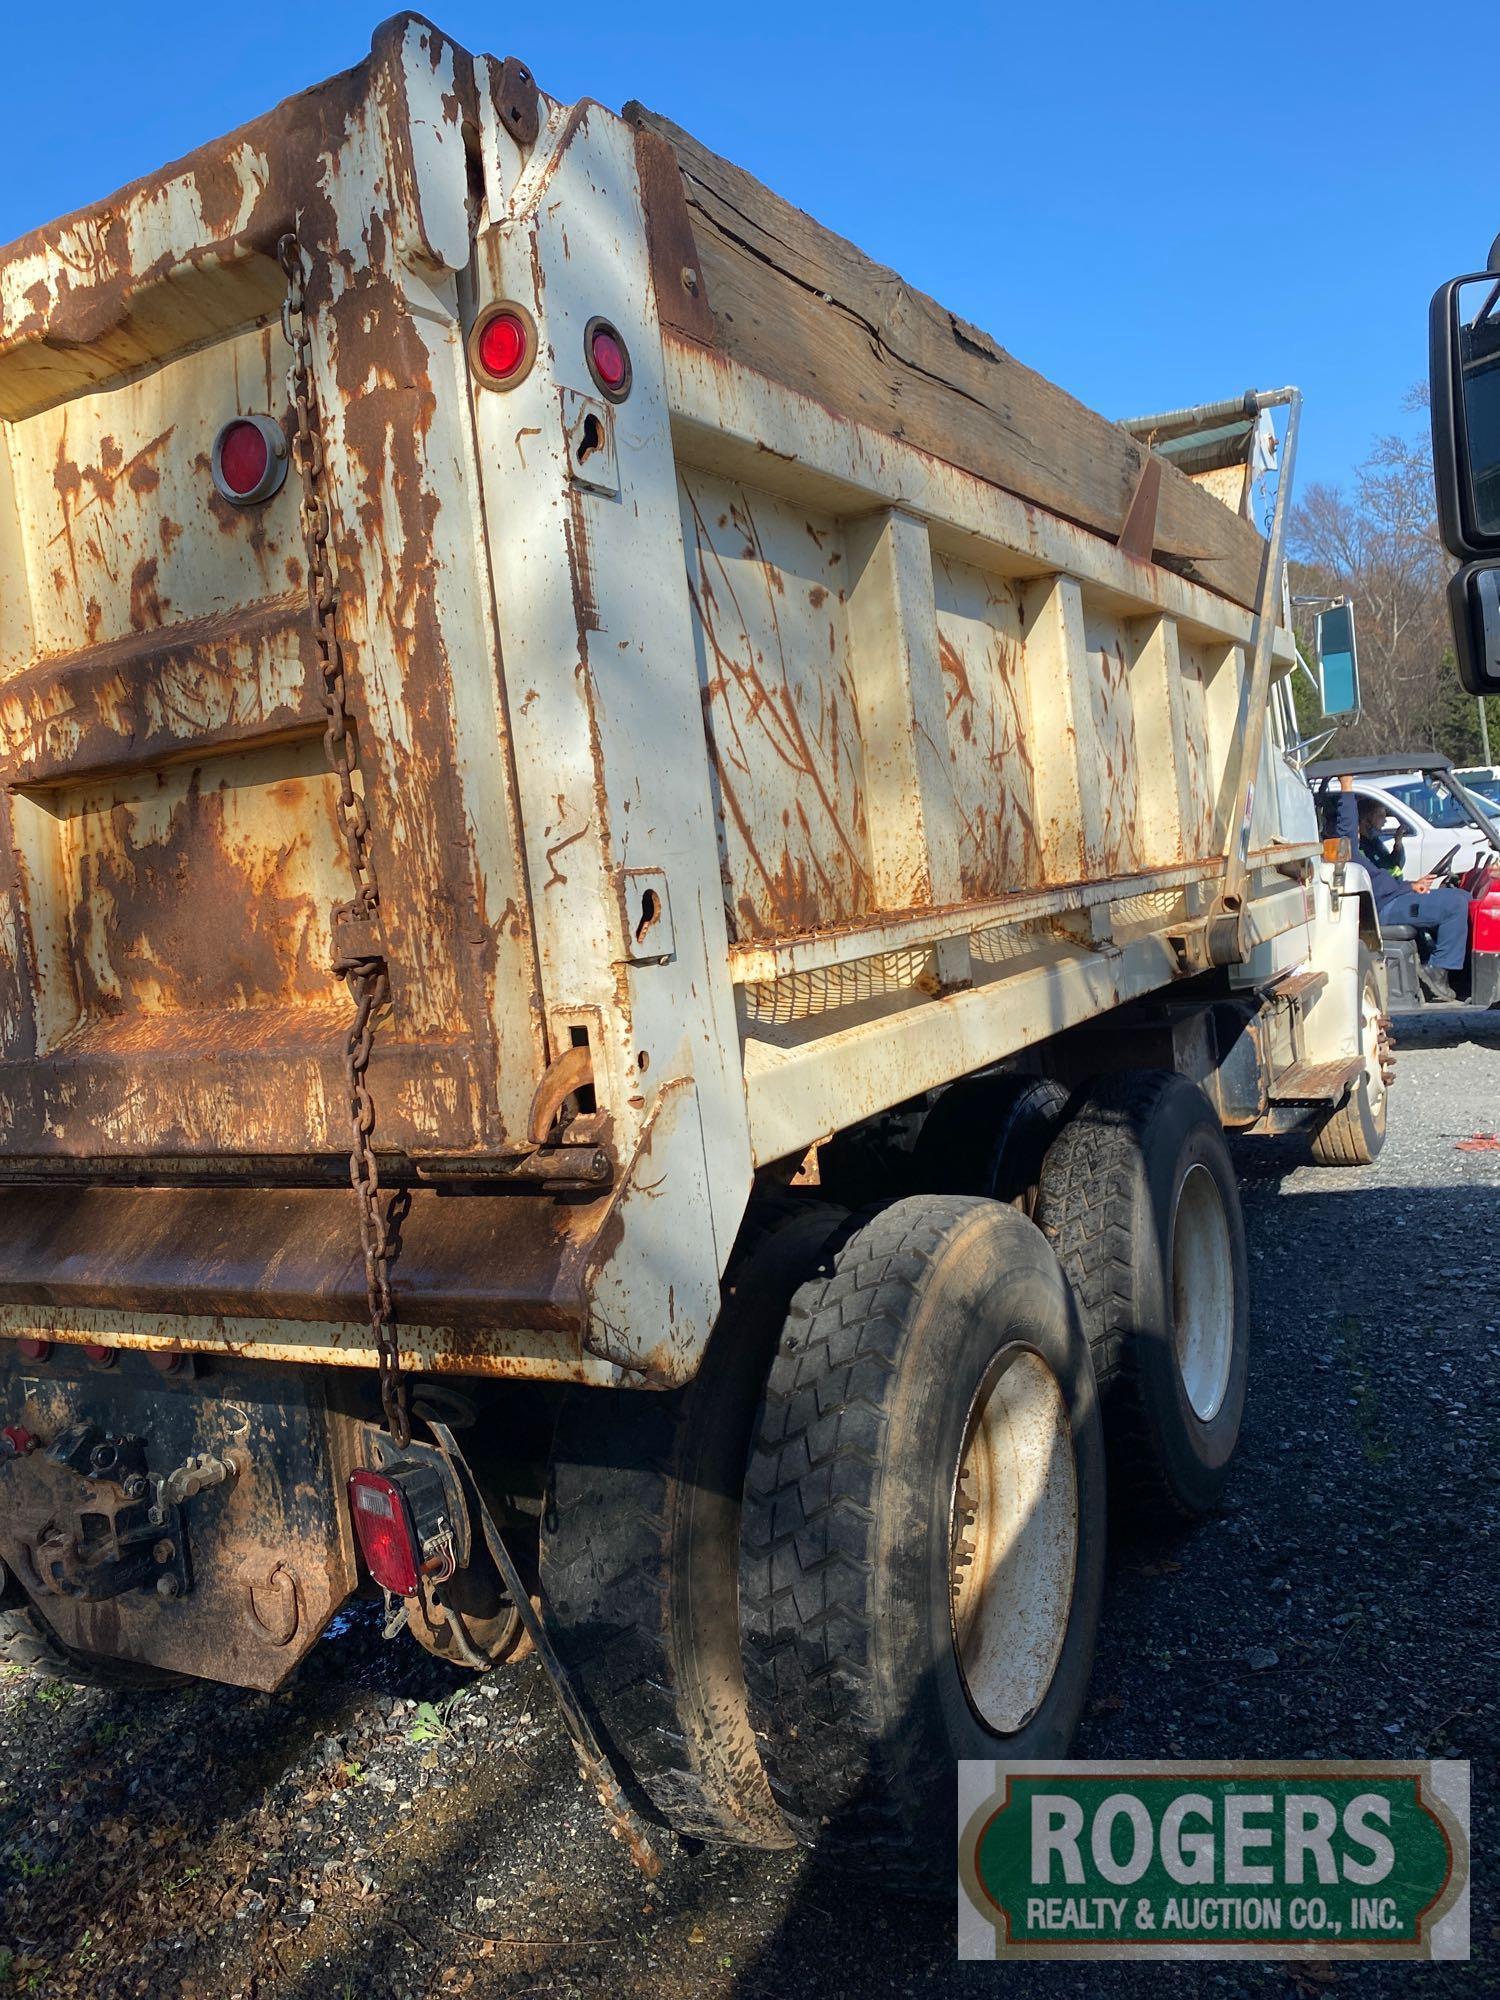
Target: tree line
(1376, 542)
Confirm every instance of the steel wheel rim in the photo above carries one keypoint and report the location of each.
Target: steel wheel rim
(1202, 1292)
(1013, 1541)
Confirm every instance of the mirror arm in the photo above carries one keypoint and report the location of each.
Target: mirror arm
(1308, 748)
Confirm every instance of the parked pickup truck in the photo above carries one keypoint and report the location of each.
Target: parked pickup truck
(763, 837)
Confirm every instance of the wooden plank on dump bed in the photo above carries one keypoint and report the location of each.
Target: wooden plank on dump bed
(797, 302)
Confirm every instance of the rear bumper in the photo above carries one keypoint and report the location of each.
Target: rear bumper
(618, 1288)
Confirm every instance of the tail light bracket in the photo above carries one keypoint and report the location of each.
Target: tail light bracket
(429, 1491)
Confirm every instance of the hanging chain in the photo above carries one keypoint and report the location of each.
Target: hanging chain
(359, 956)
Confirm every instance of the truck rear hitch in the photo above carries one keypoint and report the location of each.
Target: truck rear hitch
(103, 1523)
(624, 1821)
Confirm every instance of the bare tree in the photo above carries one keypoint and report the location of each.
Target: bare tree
(1379, 545)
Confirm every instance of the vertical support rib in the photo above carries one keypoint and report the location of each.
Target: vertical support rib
(1070, 791)
(1161, 733)
(893, 634)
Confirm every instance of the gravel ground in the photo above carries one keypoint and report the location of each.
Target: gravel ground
(387, 1830)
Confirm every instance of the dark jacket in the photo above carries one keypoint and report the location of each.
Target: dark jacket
(1374, 853)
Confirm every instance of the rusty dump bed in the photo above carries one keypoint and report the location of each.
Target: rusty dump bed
(748, 746)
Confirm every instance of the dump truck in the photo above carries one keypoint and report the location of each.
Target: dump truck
(639, 880)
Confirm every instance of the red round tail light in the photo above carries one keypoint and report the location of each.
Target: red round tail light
(249, 460)
(608, 359)
(502, 346)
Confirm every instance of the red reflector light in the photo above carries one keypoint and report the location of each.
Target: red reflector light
(502, 346)
(387, 1539)
(244, 457)
(249, 459)
(101, 1356)
(608, 359)
(34, 1350)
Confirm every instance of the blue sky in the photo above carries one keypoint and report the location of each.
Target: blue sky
(1153, 204)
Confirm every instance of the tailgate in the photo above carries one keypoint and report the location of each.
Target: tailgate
(170, 854)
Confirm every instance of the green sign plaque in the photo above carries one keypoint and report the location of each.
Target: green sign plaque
(1217, 1860)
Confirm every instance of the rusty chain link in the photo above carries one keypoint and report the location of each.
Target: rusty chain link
(359, 956)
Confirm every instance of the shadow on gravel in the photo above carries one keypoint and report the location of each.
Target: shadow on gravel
(1447, 1028)
(187, 1763)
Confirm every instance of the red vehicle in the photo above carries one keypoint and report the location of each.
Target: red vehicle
(1484, 943)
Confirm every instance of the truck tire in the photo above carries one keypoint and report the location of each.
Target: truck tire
(934, 1372)
(640, 1551)
(989, 1135)
(1138, 1198)
(1353, 1135)
(27, 1640)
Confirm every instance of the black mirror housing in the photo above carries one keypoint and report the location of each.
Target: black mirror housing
(1474, 602)
(1468, 531)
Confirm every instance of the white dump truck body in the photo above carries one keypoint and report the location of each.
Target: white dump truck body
(740, 760)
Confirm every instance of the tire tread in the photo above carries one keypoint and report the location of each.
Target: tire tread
(808, 1560)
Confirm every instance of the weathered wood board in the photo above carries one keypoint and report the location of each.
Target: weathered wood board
(778, 292)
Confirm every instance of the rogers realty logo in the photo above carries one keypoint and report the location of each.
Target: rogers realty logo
(1243, 1860)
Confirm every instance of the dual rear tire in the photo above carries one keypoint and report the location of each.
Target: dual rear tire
(923, 1536)
(1139, 1199)
(868, 1540)
(908, 1572)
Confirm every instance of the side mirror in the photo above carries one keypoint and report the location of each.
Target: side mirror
(1474, 601)
(1464, 331)
(1338, 663)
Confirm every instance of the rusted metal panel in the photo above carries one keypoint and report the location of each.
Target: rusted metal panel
(1200, 821)
(988, 704)
(768, 589)
(227, 678)
(604, 703)
(467, 1261)
(177, 856)
(1116, 775)
(533, 1354)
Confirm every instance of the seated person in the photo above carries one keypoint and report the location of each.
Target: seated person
(1445, 911)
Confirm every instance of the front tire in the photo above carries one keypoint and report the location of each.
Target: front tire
(1353, 1135)
(923, 1528)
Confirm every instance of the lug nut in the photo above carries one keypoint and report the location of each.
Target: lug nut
(167, 1587)
(163, 1552)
